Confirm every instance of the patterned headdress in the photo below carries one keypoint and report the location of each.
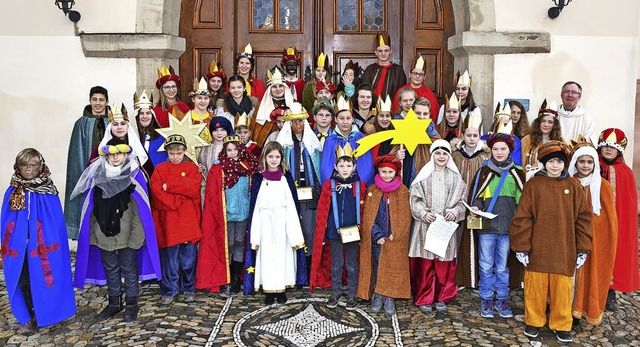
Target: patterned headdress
(551, 110)
(118, 114)
(613, 137)
(143, 101)
(199, 88)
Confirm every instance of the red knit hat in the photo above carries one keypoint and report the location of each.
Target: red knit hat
(389, 161)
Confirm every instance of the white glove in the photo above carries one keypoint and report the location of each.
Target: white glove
(523, 257)
(582, 257)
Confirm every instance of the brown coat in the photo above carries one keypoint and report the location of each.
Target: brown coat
(393, 267)
(552, 224)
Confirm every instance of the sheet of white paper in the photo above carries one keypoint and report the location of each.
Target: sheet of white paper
(487, 215)
(438, 235)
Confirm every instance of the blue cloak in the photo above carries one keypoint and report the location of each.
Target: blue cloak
(80, 148)
(250, 255)
(89, 268)
(42, 222)
(364, 163)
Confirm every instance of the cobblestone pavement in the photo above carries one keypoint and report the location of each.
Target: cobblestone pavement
(305, 321)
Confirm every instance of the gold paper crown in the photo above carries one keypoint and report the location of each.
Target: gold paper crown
(290, 51)
(502, 121)
(242, 119)
(296, 111)
(473, 120)
(142, 101)
(343, 104)
(384, 106)
(582, 142)
(321, 61)
(213, 67)
(117, 114)
(353, 66)
(274, 77)
(164, 71)
(231, 138)
(199, 87)
(465, 79)
(452, 102)
(382, 39)
(419, 64)
(345, 151)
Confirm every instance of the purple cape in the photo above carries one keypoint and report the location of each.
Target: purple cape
(89, 267)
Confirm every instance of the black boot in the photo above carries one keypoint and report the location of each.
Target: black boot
(281, 298)
(308, 259)
(236, 271)
(225, 291)
(269, 298)
(114, 306)
(612, 302)
(131, 309)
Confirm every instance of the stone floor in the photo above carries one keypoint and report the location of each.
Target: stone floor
(305, 321)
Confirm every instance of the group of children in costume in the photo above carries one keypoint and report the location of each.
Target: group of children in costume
(306, 212)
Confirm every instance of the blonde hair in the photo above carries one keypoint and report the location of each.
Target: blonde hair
(26, 154)
(268, 148)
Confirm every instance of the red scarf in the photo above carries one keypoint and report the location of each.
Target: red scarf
(383, 76)
(244, 165)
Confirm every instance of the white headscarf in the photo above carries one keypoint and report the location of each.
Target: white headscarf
(309, 138)
(266, 105)
(428, 169)
(594, 180)
(137, 150)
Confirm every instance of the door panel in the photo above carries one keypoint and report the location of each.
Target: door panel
(342, 29)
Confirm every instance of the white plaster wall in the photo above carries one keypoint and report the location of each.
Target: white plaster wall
(579, 18)
(604, 66)
(593, 42)
(45, 86)
(43, 18)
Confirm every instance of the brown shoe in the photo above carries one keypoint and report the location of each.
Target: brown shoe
(28, 328)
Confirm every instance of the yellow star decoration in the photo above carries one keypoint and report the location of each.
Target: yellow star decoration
(191, 133)
(409, 132)
(251, 270)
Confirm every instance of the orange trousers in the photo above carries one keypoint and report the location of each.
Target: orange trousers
(538, 286)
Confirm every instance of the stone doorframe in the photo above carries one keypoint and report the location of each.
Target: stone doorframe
(476, 42)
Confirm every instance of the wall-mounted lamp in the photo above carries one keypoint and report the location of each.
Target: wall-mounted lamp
(65, 6)
(554, 12)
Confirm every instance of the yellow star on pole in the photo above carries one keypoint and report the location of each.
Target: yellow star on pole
(191, 133)
(251, 270)
(409, 132)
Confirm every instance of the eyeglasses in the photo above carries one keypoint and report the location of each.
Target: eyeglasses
(572, 92)
(169, 87)
(417, 74)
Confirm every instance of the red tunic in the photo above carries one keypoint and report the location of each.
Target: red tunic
(163, 116)
(424, 92)
(321, 265)
(298, 85)
(176, 211)
(626, 273)
(212, 270)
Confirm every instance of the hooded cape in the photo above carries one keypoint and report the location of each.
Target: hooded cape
(89, 268)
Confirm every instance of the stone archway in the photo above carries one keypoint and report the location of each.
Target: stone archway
(476, 42)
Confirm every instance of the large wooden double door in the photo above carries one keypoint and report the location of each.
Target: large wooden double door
(342, 29)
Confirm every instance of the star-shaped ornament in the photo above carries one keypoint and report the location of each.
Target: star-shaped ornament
(409, 132)
(191, 133)
(251, 270)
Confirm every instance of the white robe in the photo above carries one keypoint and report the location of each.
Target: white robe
(276, 234)
(577, 122)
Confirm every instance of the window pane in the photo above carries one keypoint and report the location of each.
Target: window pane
(290, 14)
(263, 14)
(347, 13)
(373, 15)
